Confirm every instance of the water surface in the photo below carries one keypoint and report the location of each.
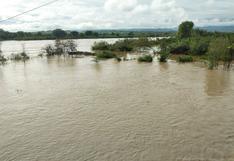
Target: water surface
(75, 109)
(35, 47)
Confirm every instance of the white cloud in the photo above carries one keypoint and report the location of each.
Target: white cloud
(102, 14)
(117, 5)
(168, 11)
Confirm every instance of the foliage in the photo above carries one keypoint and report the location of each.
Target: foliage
(70, 46)
(61, 47)
(163, 56)
(145, 58)
(105, 55)
(102, 45)
(50, 51)
(123, 45)
(185, 29)
(219, 50)
(21, 56)
(199, 46)
(2, 58)
(185, 58)
(59, 33)
(179, 47)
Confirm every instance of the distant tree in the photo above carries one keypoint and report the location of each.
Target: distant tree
(88, 33)
(39, 34)
(130, 34)
(185, 29)
(58, 33)
(20, 34)
(74, 34)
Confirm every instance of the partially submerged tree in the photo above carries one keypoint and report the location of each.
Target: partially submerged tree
(220, 50)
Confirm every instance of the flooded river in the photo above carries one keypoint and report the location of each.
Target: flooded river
(33, 48)
(64, 109)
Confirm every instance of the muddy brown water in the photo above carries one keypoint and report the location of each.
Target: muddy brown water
(64, 109)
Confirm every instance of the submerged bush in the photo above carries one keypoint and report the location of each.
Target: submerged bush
(145, 58)
(105, 55)
(179, 49)
(123, 45)
(185, 58)
(21, 56)
(199, 46)
(163, 56)
(103, 45)
(219, 50)
(2, 58)
(50, 50)
(61, 47)
(118, 59)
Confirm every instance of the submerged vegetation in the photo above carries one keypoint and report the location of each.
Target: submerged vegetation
(105, 55)
(185, 59)
(21, 56)
(2, 58)
(61, 47)
(125, 45)
(187, 45)
(145, 58)
(216, 48)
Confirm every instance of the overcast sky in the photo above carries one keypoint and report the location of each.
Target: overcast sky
(114, 14)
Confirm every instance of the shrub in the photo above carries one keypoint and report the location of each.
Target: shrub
(2, 58)
(118, 59)
(21, 56)
(70, 46)
(199, 47)
(103, 45)
(61, 47)
(105, 55)
(50, 50)
(181, 47)
(185, 58)
(219, 50)
(163, 56)
(123, 45)
(145, 58)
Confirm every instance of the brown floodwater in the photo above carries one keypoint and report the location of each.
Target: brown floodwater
(61, 109)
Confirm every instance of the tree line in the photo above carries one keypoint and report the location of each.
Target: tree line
(63, 34)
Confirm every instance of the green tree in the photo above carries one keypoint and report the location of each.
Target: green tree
(58, 33)
(75, 34)
(220, 50)
(185, 29)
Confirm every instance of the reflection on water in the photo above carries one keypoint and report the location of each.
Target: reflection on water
(217, 82)
(75, 109)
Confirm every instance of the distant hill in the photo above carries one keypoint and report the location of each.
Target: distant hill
(218, 28)
(207, 28)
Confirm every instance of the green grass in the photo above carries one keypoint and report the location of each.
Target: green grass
(185, 59)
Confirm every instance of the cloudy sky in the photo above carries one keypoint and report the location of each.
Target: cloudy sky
(114, 14)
